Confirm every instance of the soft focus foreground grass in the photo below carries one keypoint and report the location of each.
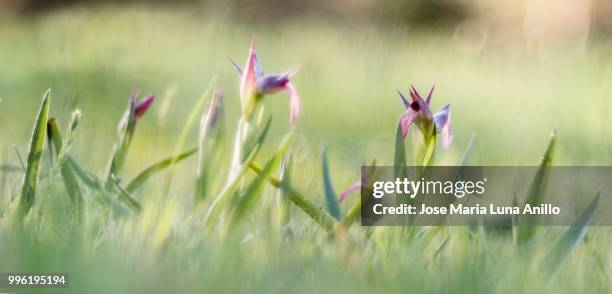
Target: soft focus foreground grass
(92, 59)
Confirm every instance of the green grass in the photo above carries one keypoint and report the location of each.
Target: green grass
(348, 77)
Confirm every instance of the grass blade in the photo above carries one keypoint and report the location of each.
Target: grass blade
(191, 120)
(144, 175)
(126, 197)
(536, 192)
(576, 231)
(330, 195)
(215, 207)
(313, 209)
(353, 214)
(468, 151)
(210, 149)
(254, 189)
(284, 199)
(30, 179)
(85, 177)
(399, 154)
(70, 180)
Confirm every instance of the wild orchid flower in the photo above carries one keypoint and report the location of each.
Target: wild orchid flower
(254, 84)
(127, 126)
(136, 109)
(418, 113)
(142, 105)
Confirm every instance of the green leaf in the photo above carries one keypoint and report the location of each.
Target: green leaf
(85, 177)
(127, 128)
(254, 189)
(284, 197)
(217, 204)
(30, 179)
(159, 166)
(399, 154)
(258, 140)
(353, 214)
(566, 243)
(310, 207)
(96, 185)
(430, 150)
(468, 151)
(191, 120)
(70, 180)
(536, 192)
(210, 149)
(462, 171)
(330, 195)
(126, 197)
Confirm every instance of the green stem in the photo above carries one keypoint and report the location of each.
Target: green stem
(314, 210)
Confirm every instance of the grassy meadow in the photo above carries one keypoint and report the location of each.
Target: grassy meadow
(93, 58)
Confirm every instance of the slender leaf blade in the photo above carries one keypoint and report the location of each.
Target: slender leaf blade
(254, 189)
(536, 192)
(126, 197)
(30, 179)
(309, 206)
(576, 231)
(157, 167)
(331, 199)
(70, 181)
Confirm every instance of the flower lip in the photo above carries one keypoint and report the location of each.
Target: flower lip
(271, 84)
(415, 106)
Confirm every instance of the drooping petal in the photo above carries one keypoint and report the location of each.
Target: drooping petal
(407, 118)
(443, 125)
(294, 102)
(428, 99)
(143, 105)
(271, 84)
(447, 135)
(354, 187)
(249, 75)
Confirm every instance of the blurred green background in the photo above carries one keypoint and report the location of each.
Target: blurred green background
(351, 60)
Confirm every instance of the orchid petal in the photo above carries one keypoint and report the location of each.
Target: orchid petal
(407, 118)
(354, 187)
(294, 102)
(414, 94)
(428, 99)
(406, 102)
(249, 75)
(237, 67)
(143, 105)
(443, 125)
(271, 84)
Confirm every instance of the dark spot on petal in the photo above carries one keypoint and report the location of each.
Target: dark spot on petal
(415, 106)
